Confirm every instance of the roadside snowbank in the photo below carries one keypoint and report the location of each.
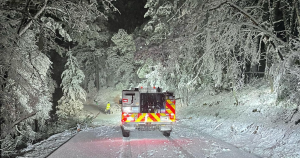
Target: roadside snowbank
(44, 148)
(258, 124)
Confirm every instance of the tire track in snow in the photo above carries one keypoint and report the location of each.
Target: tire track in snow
(125, 151)
(176, 145)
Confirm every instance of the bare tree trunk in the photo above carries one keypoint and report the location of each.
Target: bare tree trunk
(297, 5)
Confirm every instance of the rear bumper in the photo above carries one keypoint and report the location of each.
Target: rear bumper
(162, 126)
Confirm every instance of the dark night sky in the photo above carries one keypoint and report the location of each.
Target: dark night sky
(132, 15)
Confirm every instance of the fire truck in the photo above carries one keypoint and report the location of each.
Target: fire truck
(147, 109)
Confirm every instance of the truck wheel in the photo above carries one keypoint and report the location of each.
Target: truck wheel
(167, 133)
(125, 133)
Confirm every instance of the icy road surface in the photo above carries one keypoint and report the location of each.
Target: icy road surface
(106, 141)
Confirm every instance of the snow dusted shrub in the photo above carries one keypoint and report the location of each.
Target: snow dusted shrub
(68, 107)
(288, 75)
(71, 103)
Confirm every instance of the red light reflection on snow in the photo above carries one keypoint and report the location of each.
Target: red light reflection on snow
(148, 141)
(112, 147)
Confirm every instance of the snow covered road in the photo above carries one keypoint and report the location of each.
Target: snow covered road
(106, 141)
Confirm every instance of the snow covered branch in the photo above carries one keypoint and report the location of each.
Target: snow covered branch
(11, 127)
(31, 20)
(256, 25)
(239, 9)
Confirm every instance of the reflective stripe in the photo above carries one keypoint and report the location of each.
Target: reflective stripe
(152, 117)
(149, 119)
(141, 117)
(171, 106)
(163, 114)
(170, 109)
(156, 116)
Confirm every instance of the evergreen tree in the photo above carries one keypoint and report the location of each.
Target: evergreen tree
(72, 101)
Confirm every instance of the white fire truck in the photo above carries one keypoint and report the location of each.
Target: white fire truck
(147, 109)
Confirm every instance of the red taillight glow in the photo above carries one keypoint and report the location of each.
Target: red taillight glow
(124, 117)
(172, 116)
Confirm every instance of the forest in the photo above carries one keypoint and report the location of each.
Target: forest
(56, 55)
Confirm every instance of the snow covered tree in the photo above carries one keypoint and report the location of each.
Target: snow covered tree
(74, 95)
(29, 31)
(25, 95)
(227, 42)
(121, 60)
(174, 50)
(91, 55)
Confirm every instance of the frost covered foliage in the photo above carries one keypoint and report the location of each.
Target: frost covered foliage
(121, 60)
(217, 44)
(159, 11)
(226, 55)
(245, 41)
(26, 96)
(172, 61)
(27, 41)
(91, 55)
(73, 94)
(287, 80)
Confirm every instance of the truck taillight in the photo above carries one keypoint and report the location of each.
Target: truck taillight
(172, 116)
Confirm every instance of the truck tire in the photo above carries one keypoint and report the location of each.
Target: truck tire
(125, 133)
(167, 133)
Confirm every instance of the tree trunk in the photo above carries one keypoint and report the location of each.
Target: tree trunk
(97, 75)
(36, 125)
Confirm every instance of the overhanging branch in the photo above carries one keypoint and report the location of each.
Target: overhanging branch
(31, 20)
(11, 127)
(256, 23)
(237, 8)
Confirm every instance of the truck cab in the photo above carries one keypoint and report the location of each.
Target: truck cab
(147, 109)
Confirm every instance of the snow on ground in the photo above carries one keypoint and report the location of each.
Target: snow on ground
(258, 124)
(44, 148)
